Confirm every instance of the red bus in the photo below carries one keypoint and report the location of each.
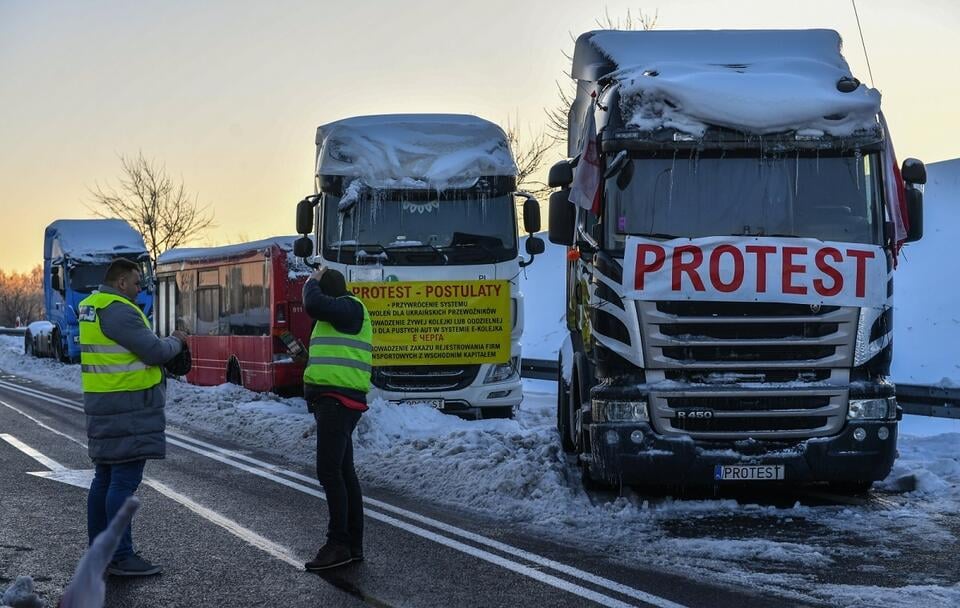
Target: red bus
(242, 307)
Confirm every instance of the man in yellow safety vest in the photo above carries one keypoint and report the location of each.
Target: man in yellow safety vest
(124, 394)
(335, 384)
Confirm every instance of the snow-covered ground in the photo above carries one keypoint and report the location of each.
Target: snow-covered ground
(515, 470)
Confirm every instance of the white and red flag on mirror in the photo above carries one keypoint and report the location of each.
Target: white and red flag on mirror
(893, 191)
(585, 191)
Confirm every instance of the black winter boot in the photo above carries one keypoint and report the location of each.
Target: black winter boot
(330, 555)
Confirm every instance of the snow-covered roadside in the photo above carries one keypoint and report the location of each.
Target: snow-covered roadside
(514, 470)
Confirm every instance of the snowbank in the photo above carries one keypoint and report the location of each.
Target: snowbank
(757, 81)
(926, 315)
(414, 150)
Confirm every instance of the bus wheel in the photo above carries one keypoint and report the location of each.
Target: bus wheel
(233, 373)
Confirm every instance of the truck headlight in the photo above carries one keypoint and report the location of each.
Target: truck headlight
(872, 409)
(619, 411)
(502, 371)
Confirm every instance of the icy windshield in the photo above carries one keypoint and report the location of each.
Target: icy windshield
(832, 198)
(420, 227)
(86, 278)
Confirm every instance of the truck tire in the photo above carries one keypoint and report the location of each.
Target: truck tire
(564, 415)
(503, 411)
(850, 488)
(59, 353)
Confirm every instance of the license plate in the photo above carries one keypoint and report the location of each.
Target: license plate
(434, 403)
(745, 472)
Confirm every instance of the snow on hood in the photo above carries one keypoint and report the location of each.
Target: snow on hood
(92, 240)
(414, 150)
(756, 81)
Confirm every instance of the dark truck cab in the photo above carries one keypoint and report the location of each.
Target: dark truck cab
(730, 293)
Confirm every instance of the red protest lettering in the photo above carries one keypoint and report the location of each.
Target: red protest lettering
(822, 265)
(861, 257)
(737, 279)
(789, 269)
(643, 267)
(688, 267)
(761, 251)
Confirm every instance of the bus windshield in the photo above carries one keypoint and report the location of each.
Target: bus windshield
(421, 228)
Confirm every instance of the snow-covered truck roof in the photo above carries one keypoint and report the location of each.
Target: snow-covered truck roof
(93, 241)
(754, 81)
(414, 150)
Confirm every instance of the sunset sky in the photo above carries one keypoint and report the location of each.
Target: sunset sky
(228, 95)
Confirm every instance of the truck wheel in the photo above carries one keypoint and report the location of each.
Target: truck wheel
(851, 488)
(505, 411)
(233, 373)
(57, 343)
(563, 411)
(28, 344)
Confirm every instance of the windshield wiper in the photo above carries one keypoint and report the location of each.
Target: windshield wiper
(358, 247)
(439, 252)
(659, 235)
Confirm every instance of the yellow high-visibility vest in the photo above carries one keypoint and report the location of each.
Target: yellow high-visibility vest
(105, 366)
(338, 359)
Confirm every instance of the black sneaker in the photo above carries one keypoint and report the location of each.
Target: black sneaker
(133, 565)
(330, 555)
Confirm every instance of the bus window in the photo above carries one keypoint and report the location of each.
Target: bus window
(186, 303)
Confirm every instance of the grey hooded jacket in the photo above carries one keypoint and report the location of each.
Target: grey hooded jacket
(129, 425)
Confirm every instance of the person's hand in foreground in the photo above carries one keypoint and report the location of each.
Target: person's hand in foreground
(87, 589)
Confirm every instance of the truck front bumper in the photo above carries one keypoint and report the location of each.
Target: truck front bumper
(633, 453)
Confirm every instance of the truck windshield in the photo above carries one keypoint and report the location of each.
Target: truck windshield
(85, 278)
(397, 228)
(832, 198)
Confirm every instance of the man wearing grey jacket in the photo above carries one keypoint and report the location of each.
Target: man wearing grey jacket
(124, 393)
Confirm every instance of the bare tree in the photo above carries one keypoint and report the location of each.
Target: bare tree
(558, 115)
(21, 296)
(153, 203)
(530, 155)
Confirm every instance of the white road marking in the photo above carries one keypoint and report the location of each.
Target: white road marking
(82, 479)
(271, 472)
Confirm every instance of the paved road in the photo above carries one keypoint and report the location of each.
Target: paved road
(233, 527)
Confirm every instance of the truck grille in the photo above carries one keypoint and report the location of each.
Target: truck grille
(734, 354)
(725, 335)
(732, 413)
(424, 378)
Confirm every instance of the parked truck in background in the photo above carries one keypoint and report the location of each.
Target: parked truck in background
(76, 254)
(418, 212)
(733, 212)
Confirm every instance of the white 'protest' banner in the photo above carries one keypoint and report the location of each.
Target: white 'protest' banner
(756, 269)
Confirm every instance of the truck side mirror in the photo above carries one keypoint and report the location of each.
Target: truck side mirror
(913, 171)
(535, 245)
(563, 216)
(531, 215)
(55, 283)
(561, 175)
(303, 247)
(305, 216)
(914, 214)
